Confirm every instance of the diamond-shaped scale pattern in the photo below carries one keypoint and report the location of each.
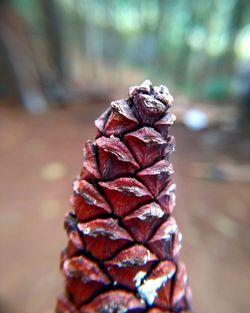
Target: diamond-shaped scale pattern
(123, 244)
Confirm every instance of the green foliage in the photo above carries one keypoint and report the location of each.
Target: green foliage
(216, 88)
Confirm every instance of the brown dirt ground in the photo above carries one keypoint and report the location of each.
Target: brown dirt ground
(39, 158)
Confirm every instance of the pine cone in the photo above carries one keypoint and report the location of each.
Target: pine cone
(123, 248)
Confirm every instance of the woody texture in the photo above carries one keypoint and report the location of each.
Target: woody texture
(123, 242)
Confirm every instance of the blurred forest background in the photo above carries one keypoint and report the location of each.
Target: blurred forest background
(59, 49)
(61, 63)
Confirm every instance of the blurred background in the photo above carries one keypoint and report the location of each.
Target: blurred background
(61, 63)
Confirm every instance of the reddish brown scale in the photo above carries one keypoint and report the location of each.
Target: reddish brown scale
(71, 250)
(64, 305)
(83, 277)
(161, 242)
(125, 194)
(121, 119)
(87, 201)
(163, 124)
(90, 170)
(143, 221)
(104, 237)
(157, 310)
(180, 284)
(75, 243)
(101, 121)
(74, 247)
(147, 108)
(76, 240)
(70, 222)
(147, 145)
(155, 177)
(115, 158)
(123, 243)
(166, 197)
(156, 287)
(118, 301)
(124, 267)
(164, 292)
